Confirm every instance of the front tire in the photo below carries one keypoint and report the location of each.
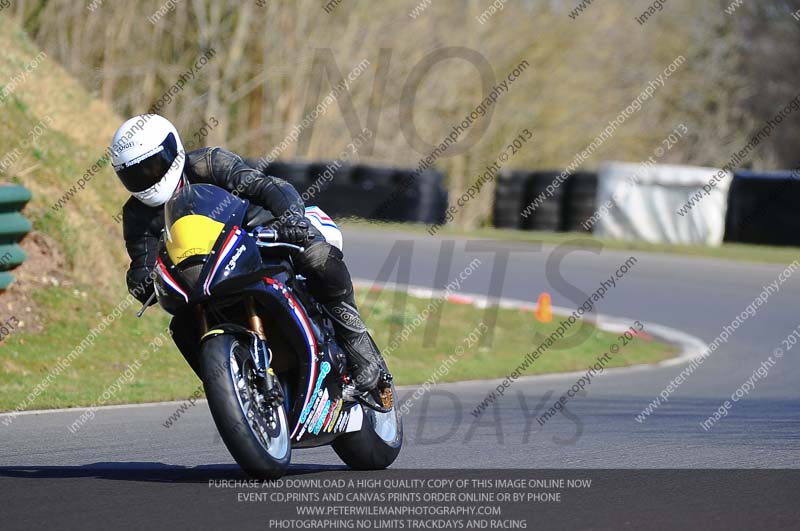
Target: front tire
(376, 445)
(258, 442)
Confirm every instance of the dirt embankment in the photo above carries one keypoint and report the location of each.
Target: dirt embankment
(43, 268)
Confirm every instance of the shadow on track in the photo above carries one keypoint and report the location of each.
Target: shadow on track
(149, 471)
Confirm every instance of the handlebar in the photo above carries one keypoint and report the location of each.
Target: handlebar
(265, 235)
(269, 238)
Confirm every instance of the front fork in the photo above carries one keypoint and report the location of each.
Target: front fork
(273, 395)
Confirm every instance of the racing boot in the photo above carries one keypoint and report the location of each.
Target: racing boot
(363, 358)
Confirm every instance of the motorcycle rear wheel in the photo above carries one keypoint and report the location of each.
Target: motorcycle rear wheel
(376, 445)
(257, 439)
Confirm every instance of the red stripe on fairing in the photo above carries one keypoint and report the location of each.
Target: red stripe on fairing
(312, 348)
(319, 216)
(324, 222)
(319, 213)
(169, 280)
(227, 247)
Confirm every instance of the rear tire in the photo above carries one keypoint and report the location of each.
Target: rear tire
(376, 445)
(262, 449)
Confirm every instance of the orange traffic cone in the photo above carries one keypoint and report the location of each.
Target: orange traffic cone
(544, 309)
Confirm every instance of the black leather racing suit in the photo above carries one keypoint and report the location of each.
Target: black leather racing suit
(270, 199)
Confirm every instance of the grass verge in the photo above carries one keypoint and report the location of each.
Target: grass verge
(127, 359)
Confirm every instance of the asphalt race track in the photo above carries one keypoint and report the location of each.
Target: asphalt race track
(599, 431)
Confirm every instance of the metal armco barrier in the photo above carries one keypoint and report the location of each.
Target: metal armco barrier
(13, 227)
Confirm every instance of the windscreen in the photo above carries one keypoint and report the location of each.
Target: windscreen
(204, 200)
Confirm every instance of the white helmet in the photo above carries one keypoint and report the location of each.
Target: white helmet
(148, 156)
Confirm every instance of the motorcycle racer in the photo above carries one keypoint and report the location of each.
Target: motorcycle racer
(148, 157)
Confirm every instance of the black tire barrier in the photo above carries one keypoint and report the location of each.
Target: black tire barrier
(431, 204)
(328, 187)
(365, 191)
(372, 184)
(509, 194)
(298, 174)
(570, 205)
(352, 191)
(763, 207)
(547, 215)
(580, 201)
(402, 195)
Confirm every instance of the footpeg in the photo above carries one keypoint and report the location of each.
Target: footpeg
(350, 393)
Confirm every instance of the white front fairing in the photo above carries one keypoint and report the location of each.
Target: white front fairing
(326, 226)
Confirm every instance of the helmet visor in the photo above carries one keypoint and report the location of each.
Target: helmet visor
(147, 171)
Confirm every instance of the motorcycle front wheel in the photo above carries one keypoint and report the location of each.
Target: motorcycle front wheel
(257, 436)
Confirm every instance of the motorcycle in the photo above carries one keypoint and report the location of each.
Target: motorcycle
(274, 376)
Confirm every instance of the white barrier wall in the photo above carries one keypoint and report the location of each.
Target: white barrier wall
(662, 203)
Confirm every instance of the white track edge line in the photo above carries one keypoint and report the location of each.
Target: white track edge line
(690, 346)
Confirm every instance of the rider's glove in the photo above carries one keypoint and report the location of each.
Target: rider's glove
(294, 230)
